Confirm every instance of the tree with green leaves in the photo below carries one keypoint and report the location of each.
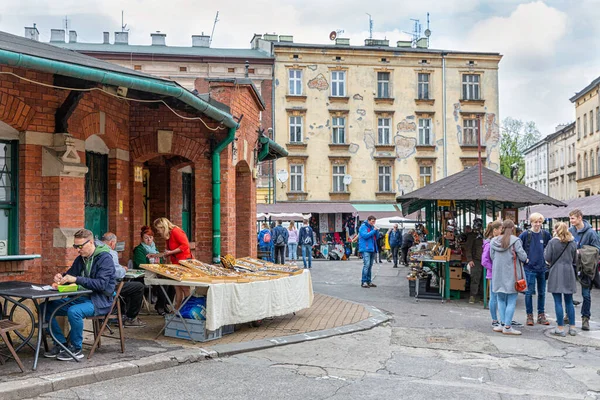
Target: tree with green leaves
(516, 137)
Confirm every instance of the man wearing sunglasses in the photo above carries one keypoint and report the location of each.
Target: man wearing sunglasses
(94, 270)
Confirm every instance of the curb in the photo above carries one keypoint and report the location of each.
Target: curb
(33, 387)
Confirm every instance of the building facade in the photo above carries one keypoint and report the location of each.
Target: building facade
(189, 66)
(587, 114)
(536, 166)
(562, 170)
(367, 123)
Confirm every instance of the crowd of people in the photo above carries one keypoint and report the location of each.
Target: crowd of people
(272, 242)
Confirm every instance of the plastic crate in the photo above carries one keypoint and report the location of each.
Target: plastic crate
(197, 328)
(227, 329)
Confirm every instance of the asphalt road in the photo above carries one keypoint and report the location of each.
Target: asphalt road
(429, 350)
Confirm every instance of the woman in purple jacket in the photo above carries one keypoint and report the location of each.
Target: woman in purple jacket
(493, 229)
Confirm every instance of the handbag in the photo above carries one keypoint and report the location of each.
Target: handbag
(520, 284)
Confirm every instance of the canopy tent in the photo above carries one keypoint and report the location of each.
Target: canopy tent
(403, 223)
(589, 206)
(378, 210)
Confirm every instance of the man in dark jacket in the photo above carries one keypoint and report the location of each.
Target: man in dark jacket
(280, 239)
(367, 245)
(307, 242)
(407, 242)
(93, 270)
(395, 239)
(584, 235)
(474, 251)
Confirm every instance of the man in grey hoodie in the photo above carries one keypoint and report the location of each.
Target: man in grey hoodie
(584, 235)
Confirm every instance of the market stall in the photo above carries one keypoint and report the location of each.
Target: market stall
(450, 205)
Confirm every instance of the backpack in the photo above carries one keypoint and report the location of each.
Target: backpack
(587, 265)
(267, 237)
(308, 238)
(280, 240)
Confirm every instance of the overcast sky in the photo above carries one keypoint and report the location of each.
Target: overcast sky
(550, 47)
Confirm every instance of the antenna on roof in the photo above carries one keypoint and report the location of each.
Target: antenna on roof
(123, 24)
(370, 26)
(213, 29)
(66, 21)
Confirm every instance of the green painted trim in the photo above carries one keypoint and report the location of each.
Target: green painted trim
(269, 145)
(149, 85)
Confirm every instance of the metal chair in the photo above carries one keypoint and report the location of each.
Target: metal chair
(5, 327)
(97, 319)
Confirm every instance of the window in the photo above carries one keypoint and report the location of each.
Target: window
(385, 178)
(295, 80)
(338, 178)
(9, 228)
(137, 67)
(182, 69)
(470, 132)
(585, 165)
(598, 160)
(425, 138)
(231, 70)
(338, 83)
(250, 70)
(585, 125)
(592, 169)
(591, 122)
(96, 193)
(578, 128)
(296, 178)
(383, 85)
(598, 118)
(470, 84)
(295, 129)
(383, 131)
(186, 203)
(425, 175)
(423, 87)
(338, 125)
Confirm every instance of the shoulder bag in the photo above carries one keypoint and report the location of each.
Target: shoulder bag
(520, 284)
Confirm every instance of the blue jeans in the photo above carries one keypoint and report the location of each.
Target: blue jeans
(506, 306)
(368, 258)
(558, 308)
(75, 312)
(587, 302)
(293, 251)
(532, 277)
(307, 252)
(493, 302)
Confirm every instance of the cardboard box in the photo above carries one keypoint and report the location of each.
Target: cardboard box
(457, 284)
(456, 272)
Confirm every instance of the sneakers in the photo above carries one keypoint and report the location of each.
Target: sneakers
(365, 285)
(472, 300)
(541, 319)
(497, 327)
(572, 331)
(515, 323)
(530, 320)
(53, 352)
(558, 332)
(585, 323)
(510, 331)
(371, 284)
(64, 356)
(133, 323)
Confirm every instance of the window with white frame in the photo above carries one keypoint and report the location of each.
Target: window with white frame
(295, 129)
(585, 125)
(598, 160)
(470, 132)
(295, 82)
(9, 202)
(470, 86)
(592, 163)
(578, 128)
(591, 122)
(598, 118)
(383, 131)
(338, 83)
(585, 165)
(383, 85)
(338, 127)
(423, 86)
(385, 178)
(425, 175)
(425, 137)
(296, 177)
(339, 171)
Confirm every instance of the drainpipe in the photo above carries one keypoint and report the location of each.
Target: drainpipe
(444, 114)
(216, 193)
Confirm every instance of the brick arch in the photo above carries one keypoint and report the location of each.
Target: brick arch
(245, 213)
(15, 112)
(144, 148)
(90, 125)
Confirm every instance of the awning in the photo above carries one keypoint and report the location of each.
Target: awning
(378, 210)
(305, 208)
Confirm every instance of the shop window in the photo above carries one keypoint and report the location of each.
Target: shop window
(425, 175)
(339, 171)
(338, 126)
(385, 178)
(296, 129)
(295, 82)
(383, 85)
(338, 83)
(9, 229)
(383, 131)
(423, 86)
(470, 132)
(296, 178)
(470, 87)
(425, 138)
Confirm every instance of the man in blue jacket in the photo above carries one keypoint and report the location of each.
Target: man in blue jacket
(395, 239)
(307, 242)
(280, 239)
(93, 270)
(367, 245)
(584, 235)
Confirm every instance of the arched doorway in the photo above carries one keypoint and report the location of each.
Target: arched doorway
(244, 220)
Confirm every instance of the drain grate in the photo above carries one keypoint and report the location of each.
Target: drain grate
(437, 339)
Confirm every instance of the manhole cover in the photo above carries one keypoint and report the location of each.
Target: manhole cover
(437, 339)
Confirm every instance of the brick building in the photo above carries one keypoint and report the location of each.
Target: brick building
(88, 143)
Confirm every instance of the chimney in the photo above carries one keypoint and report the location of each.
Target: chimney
(422, 43)
(255, 41)
(158, 39)
(286, 38)
(57, 35)
(106, 38)
(377, 42)
(200, 40)
(32, 33)
(72, 37)
(560, 127)
(342, 42)
(121, 37)
(404, 43)
(271, 37)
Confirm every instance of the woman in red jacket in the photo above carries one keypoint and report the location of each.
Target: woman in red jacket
(178, 248)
